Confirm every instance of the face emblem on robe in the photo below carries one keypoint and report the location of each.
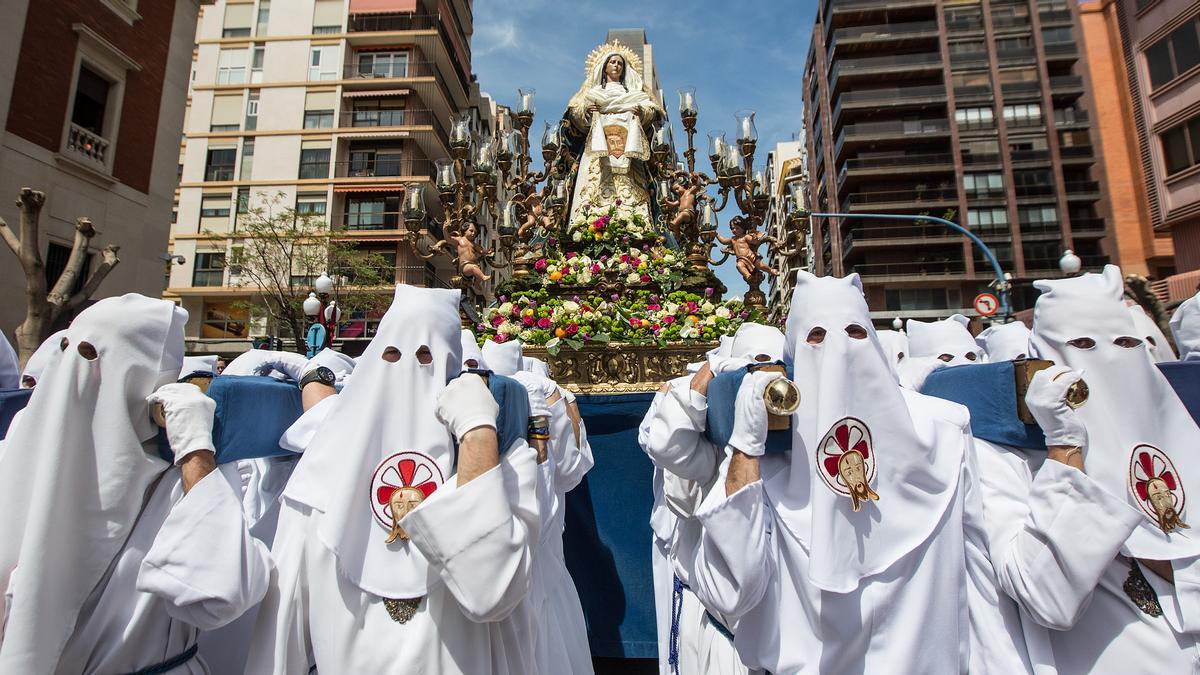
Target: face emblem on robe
(400, 483)
(1156, 486)
(616, 137)
(846, 461)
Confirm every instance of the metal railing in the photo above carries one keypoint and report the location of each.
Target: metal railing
(912, 196)
(884, 62)
(1075, 151)
(1065, 82)
(897, 160)
(910, 268)
(389, 166)
(378, 23)
(363, 70)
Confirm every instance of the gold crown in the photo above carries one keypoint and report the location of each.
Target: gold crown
(616, 129)
(632, 60)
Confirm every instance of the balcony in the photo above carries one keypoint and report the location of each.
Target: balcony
(1066, 86)
(894, 164)
(1076, 153)
(384, 166)
(1021, 90)
(87, 147)
(423, 77)
(1084, 190)
(975, 159)
(910, 271)
(1034, 190)
(898, 130)
(1070, 117)
(428, 32)
(897, 235)
(1010, 23)
(1058, 51)
(864, 202)
(1030, 156)
(889, 98)
(1041, 230)
(889, 34)
(902, 65)
(973, 92)
(1009, 57)
(1090, 225)
(1053, 16)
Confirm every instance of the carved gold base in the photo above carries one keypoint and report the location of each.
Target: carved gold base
(620, 368)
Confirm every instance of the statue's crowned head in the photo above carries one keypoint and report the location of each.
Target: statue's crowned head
(614, 62)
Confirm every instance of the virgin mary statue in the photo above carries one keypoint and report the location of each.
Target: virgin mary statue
(612, 111)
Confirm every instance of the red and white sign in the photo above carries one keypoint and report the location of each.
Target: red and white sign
(986, 304)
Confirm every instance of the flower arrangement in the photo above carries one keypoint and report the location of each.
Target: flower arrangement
(615, 223)
(639, 317)
(646, 265)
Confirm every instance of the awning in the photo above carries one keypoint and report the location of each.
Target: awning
(346, 237)
(382, 6)
(376, 93)
(357, 135)
(389, 187)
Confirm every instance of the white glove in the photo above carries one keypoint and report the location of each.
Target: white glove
(466, 404)
(914, 370)
(725, 364)
(339, 363)
(539, 389)
(1047, 401)
(566, 393)
(189, 417)
(750, 414)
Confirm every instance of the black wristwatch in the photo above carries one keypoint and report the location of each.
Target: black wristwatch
(319, 374)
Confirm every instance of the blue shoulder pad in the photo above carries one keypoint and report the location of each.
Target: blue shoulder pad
(513, 420)
(12, 401)
(252, 413)
(989, 392)
(722, 394)
(1184, 377)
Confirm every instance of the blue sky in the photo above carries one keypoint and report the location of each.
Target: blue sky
(747, 54)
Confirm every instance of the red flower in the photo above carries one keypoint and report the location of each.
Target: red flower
(540, 265)
(500, 337)
(842, 436)
(527, 321)
(572, 328)
(595, 268)
(645, 278)
(407, 469)
(669, 319)
(497, 320)
(634, 323)
(543, 323)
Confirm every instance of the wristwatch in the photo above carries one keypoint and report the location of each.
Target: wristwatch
(319, 374)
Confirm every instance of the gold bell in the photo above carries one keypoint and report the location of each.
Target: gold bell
(781, 398)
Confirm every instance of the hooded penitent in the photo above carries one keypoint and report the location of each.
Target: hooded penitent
(1005, 341)
(43, 356)
(757, 342)
(503, 358)
(206, 365)
(535, 365)
(947, 339)
(895, 346)
(1157, 346)
(78, 468)
(1141, 440)
(472, 352)
(1185, 326)
(383, 439)
(853, 424)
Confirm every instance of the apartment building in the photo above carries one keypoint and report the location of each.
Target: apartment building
(1160, 43)
(787, 181)
(92, 97)
(332, 106)
(976, 111)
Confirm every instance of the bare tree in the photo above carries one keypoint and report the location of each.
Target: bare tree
(43, 308)
(282, 251)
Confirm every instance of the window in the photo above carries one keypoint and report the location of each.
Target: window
(246, 169)
(1181, 146)
(231, 66)
(1042, 255)
(243, 205)
(256, 64)
(226, 113)
(1023, 115)
(214, 213)
(318, 119)
(379, 113)
(974, 118)
(1175, 54)
(310, 205)
(1038, 219)
(988, 220)
(314, 163)
(323, 63)
(372, 213)
(383, 64)
(1057, 36)
(981, 151)
(983, 184)
(225, 320)
(209, 270)
(264, 15)
(57, 256)
(252, 111)
(921, 298)
(327, 17)
(237, 21)
(91, 101)
(220, 164)
(377, 162)
(1028, 148)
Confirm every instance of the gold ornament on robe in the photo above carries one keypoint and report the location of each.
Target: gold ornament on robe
(1163, 502)
(402, 610)
(852, 468)
(403, 500)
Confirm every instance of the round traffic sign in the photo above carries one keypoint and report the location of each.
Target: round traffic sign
(986, 304)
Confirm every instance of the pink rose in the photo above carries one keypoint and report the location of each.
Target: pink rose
(634, 323)
(543, 323)
(540, 265)
(595, 268)
(527, 321)
(669, 319)
(500, 337)
(645, 278)
(572, 328)
(497, 320)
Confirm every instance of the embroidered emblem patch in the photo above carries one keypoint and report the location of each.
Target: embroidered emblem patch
(400, 483)
(1156, 486)
(846, 460)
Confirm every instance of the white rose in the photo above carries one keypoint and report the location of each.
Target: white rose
(510, 328)
(585, 277)
(633, 278)
(525, 335)
(671, 308)
(688, 331)
(570, 306)
(707, 307)
(723, 312)
(505, 309)
(576, 236)
(710, 321)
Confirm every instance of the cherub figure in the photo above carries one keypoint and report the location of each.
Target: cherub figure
(469, 253)
(684, 205)
(744, 243)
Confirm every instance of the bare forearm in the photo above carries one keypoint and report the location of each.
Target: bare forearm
(195, 467)
(743, 470)
(478, 453)
(314, 393)
(1069, 455)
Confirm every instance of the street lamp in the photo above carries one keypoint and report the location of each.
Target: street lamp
(898, 323)
(1070, 263)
